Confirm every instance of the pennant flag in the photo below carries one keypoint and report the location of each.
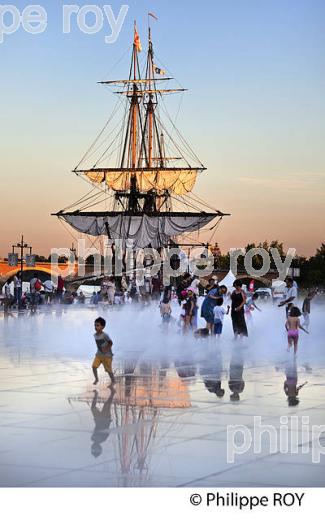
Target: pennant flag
(159, 71)
(153, 16)
(137, 41)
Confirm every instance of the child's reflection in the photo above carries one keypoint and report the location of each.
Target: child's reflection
(290, 384)
(103, 419)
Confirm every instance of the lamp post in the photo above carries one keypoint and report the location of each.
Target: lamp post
(21, 246)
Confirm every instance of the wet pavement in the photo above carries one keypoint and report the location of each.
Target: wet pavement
(164, 424)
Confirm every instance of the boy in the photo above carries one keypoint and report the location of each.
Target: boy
(104, 353)
(219, 312)
(290, 295)
(165, 310)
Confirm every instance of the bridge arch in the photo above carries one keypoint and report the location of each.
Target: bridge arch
(43, 273)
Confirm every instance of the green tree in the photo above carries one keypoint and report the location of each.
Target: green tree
(320, 253)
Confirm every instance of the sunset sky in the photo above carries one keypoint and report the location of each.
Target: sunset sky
(254, 114)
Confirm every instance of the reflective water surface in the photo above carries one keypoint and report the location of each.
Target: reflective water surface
(165, 421)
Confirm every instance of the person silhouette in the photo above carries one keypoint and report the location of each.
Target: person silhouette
(211, 369)
(290, 387)
(236, 382)
(102, 419)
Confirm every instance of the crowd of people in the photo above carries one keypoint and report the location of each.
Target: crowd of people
(219, 301)
(181, 304)
(38, 292)
(216, 302)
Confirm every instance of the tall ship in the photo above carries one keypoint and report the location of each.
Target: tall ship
(141, 170)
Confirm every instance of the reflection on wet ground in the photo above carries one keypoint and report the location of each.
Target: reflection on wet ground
(163, 424)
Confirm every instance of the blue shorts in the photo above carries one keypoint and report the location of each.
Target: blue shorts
(218, 327)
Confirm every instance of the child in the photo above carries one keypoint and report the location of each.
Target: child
(293, 325)
(219, 312)
(306, 308)
(202, 333)
(165, 310)
(118, 298)
(182, 301)
(190, 308)
(104, 353)
(250, 304)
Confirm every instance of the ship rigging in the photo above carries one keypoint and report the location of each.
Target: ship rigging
(149, 188)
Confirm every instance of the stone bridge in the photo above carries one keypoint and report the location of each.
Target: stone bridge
(45, 270)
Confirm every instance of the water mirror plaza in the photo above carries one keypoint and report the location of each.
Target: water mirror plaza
(164, 423)
(162, 256)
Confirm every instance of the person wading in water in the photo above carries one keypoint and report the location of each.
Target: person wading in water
(238, 301)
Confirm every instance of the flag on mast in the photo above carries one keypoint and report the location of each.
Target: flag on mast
(159, 71)
(137, 41)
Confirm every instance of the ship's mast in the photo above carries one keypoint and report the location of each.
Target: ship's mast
(134, 104)
(148, 174)
(134, 124)
(150, 104)
(147, 177)
(142, 146)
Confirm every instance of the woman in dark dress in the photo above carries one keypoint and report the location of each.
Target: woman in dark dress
(238, 300)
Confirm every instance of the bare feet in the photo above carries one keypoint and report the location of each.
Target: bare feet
(95, 382)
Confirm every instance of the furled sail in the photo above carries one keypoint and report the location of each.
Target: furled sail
(176, 180)
(155, 231)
